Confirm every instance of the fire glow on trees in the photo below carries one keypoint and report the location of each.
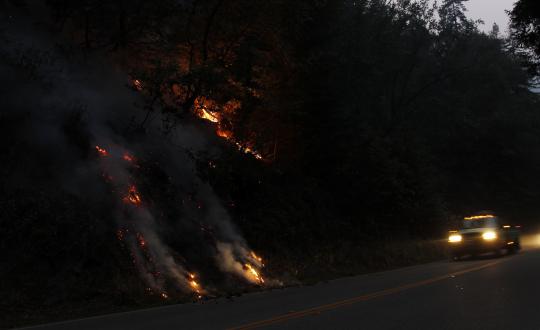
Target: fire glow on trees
(204, 108)
(207, 109)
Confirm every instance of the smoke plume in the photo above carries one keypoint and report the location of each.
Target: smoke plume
(82, 127)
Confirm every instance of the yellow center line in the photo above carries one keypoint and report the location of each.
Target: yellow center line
(350, 301)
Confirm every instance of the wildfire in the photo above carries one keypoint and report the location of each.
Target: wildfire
(102, 152)
(248, 150)
(141, 240)
(133, 196)
(248, 265)
(202, 108)
(256, 257)
(253, 274)
(206, 109)
(195, 286)
(128, 157)
(224, 134)
(137, 84)
(205, 114)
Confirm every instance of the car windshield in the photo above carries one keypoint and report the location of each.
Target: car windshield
(479, 223)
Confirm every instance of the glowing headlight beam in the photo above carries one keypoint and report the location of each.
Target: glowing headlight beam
(489, 235)
(455, 238)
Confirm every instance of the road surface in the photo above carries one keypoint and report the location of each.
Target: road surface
(491, 293)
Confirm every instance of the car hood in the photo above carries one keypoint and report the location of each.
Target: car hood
(476, 230)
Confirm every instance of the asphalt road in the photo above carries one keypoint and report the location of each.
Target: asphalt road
(489, 293)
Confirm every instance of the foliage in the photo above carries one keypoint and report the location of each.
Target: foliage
(396, 116)
(525, 29)
(379, 122)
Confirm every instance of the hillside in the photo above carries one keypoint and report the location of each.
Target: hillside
(180, 151)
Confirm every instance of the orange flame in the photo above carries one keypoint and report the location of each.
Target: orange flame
(141, 240)
(224, 133)
(137, 84)
(205, 114)
(256, 257)
(205, 109)
(252, 274)
(195, 286)
(202, 108)
(133, 196)
(250, 151)
(102, 152)
(128, 157)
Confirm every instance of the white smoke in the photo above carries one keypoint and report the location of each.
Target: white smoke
(63, 83)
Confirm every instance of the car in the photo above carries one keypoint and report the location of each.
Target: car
(484, 233)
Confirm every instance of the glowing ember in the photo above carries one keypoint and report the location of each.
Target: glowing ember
(128, 157)
(205, 114)
(253, 274)
(207, 109)
(133, 196)
(141, 240)
(137, 84)
(256, 257)
(120, 234)
(203, 108)
(224, 134)
(195, 286)
(102, 152)
(248, 150)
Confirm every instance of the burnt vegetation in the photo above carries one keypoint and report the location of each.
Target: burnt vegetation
(347, 136)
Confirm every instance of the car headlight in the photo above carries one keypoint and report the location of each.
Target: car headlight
(454, 238)
(489, 235)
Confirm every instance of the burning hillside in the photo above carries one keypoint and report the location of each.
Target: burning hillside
(203, 108)
(217, 114)
(165, 273)
(82, 130)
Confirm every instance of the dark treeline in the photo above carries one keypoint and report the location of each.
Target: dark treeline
(377, 121)
(374, 118)
(388, 114)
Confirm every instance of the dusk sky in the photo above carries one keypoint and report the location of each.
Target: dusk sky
(490, 11)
